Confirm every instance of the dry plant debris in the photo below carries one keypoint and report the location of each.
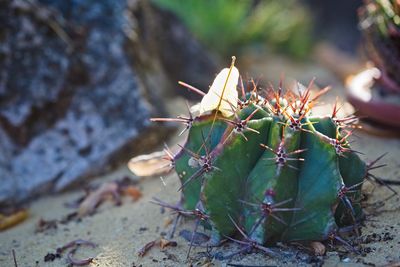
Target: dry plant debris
(163, 243)
(8, 221)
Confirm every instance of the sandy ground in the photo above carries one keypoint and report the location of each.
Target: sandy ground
(120, 231)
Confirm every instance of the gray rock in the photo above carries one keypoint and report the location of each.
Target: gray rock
(162, 47)
(67, 105)
(34, 64)
(71, 104)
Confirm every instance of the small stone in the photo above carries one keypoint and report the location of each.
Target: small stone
(49, 257)
(319, 249)
(346, 260)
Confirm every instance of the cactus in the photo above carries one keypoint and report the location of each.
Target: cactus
(268, 168)
(375, 92)
(380, 24)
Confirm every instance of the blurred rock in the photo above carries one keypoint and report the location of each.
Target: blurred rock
(162, 47)
(71, 104)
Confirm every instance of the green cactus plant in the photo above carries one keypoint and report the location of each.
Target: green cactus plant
(375, 92)
(380, 25)
(270, 170)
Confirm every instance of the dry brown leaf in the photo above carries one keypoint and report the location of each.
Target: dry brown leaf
(163, 243)
(153, 164)
(146, 248)
(132, 191)
(7, 221)
(167, 243)
(94, 198)
(318, 248)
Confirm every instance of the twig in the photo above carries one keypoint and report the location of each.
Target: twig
(74, 246)
(76, 262)
(146, 248)
(15, 260)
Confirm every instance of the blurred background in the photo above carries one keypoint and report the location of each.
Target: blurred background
(79, 80)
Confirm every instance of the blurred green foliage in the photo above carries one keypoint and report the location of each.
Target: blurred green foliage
(383, 13)
(228, 26)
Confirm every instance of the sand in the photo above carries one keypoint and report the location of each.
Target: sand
(121, 231)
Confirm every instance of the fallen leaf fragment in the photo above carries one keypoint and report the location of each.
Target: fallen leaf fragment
(77, 262)
(146, 248)
(153, 164)
(94, 198)
(162, 242)
(132, 191)
(318, 248)
(72, 246)
(95, 195)
(167, 243)
(8, 221)
(223, 95)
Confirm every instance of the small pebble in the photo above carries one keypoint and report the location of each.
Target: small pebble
(346, 260)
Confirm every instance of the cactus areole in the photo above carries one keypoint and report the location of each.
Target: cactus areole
(266, 167)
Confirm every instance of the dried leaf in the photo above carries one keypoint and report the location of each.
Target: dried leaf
(223, 94)
(94, 198)
(132, 191)
(7, 221)
(318, 248)
(167, 243)
(78, 262)
(153, 164)
(72, 247)
(146, 248)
